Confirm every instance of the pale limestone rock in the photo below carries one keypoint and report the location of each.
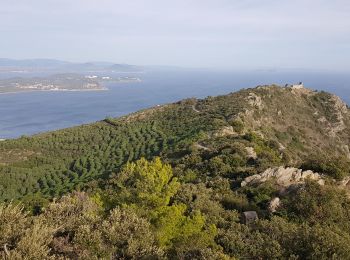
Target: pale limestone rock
(251, 152)
(283, 176)
(274, 204)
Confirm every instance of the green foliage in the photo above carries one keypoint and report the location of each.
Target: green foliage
(149, 184)
(306, 241)
(12, 223)
(54, 164)
(261, 195)
(241, 242)
(337, 168)
(34, 242)
(238, 125)
(174, 228)
(186, 222)
(21, 237)
(317, 204)
(122, 235)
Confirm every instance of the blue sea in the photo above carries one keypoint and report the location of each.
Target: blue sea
(34, 112)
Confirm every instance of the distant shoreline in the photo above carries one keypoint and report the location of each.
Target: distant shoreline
(63, 90)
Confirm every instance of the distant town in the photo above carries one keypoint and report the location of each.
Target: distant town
(61, 82)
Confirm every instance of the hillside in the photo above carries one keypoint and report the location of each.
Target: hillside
(293, 123)
(280, 152)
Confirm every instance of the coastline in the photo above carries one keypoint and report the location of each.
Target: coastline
(59, 90)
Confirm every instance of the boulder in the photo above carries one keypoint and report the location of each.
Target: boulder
(249, 217)
(274, 204)
(251, 152)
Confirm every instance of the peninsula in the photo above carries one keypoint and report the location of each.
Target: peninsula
(60, 82)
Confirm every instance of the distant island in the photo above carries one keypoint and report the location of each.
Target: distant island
(61, 82)
(56, 75)
(58, 66)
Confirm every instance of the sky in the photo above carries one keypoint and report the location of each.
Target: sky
(225, 34)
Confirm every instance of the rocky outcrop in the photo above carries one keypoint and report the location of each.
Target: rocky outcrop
(339, 105)
(301, 90)
(225, 131)
(255, 101)
(335, 122)
(283, 177)
(340, 110)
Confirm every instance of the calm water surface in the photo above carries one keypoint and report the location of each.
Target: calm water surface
(31, 113)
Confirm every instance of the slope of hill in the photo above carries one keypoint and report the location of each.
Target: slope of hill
(292, 124)
(216, 158)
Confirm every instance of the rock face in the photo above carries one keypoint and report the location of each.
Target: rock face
(340, 112)
(338, 121)
(283, 176)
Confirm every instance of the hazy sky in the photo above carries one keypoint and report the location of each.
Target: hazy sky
(192, 33)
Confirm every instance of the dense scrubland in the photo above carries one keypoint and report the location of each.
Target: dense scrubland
(165, 183)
